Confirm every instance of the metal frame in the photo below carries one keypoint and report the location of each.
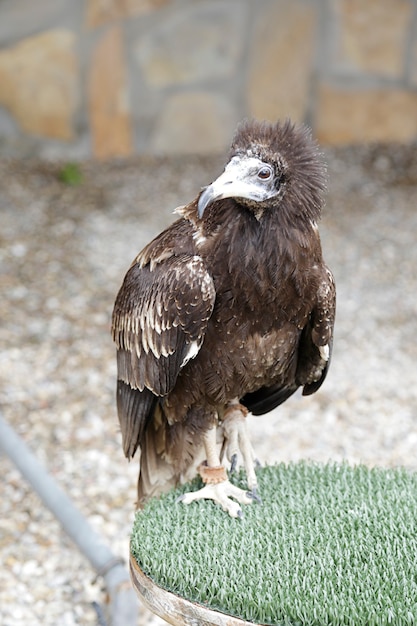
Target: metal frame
(123, 604)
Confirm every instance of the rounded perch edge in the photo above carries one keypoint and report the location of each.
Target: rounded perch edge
(176, 610)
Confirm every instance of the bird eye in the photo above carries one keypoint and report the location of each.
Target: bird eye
(264, 173)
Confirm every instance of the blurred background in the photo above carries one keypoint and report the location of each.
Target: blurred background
(114, 112)
(106, 78)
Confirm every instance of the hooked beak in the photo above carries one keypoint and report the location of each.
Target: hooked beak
(222, 187)
(237, 181)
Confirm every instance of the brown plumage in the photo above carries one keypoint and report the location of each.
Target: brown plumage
(231, 302)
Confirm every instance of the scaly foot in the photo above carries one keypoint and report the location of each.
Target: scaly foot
(237, 441)
(221, 493)
(217, 486)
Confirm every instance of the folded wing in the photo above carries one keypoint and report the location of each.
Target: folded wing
(312, 357)
(159, 322)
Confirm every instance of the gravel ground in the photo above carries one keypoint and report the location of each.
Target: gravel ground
(64, 251)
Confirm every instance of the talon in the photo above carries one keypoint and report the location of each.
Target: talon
(180, 498)
(254, 495)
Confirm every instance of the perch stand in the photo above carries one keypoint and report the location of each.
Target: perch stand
(331, 544)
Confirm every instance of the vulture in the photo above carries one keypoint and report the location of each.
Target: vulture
(226, 312)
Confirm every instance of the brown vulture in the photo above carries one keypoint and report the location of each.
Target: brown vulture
(228, 311)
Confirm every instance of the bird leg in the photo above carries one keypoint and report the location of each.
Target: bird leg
(217, 486)
(237, 440)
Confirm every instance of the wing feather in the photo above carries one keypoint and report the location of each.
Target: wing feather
(135, 407)
(316, 343)
(313, 354)
(159, 322)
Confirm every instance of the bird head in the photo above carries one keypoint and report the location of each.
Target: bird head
(271, 166)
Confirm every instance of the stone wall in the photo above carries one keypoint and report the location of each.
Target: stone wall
(105, 78)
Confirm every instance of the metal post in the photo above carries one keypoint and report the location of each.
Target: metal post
(123, 601)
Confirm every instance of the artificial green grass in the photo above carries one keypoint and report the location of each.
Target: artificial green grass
(330, 545)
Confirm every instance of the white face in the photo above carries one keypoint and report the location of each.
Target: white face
(244, 177)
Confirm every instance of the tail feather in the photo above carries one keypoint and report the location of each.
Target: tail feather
(157, 474)
(169, 456)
